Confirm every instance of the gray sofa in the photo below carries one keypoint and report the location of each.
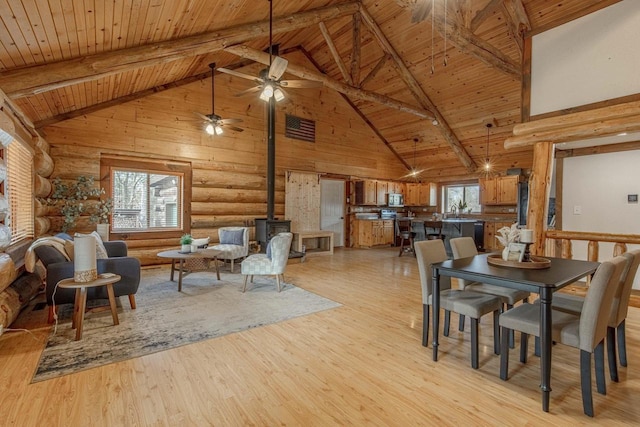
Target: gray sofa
(118, 262)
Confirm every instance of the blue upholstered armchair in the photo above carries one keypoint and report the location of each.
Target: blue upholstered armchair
(58, 268)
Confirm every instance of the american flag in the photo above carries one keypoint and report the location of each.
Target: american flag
(299, 128)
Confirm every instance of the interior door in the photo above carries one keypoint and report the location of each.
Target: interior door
(332, 205)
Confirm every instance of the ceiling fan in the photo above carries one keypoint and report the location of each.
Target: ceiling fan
(268, 82)
(215, 123)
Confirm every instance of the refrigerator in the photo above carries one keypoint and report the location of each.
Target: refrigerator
(523, 203)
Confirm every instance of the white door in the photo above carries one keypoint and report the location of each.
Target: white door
(332, 200)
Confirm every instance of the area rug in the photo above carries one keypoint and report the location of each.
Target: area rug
(165, 318)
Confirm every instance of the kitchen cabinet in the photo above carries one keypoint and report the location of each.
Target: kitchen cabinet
(507, 190)
(397, 188)
(421, 194)
(382, 188)
(501, 190)
(491, 231)
(366, 192)
(371, 193)
(375, 232)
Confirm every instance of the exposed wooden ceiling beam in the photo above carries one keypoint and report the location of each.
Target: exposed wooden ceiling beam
(45, 77)
(375, 70)
(117, 101)
(517, 21)
(305, 73)
(484, 13)
(335, 53)
(604, 121)
(360, 114)
(355, 50)
(463, 12)
(471, 44)
(418, 93)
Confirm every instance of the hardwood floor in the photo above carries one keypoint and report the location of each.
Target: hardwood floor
(359, 364)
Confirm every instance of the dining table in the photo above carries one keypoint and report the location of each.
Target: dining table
(559, 273)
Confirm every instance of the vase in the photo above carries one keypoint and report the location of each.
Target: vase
(505, 253)
(103, 231)
(186, 248)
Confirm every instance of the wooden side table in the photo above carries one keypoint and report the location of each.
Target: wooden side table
(81, 298)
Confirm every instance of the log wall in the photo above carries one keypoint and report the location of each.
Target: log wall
(229, 170)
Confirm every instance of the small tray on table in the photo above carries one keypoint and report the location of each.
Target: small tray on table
(536, 262)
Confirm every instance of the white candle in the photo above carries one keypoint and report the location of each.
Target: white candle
(526, 235)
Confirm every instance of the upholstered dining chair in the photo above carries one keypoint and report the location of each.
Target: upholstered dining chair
(573, 304)
(273, 263)
(585, 332)
(234, 243)
(463, 247)
(406, 235)
(468, 303)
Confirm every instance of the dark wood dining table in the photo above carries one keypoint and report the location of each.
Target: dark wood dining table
(560, 273)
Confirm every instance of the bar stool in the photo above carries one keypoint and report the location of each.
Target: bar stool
(437, 227)
(403, 231)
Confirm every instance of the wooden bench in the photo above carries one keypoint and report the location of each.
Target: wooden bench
(317, 242)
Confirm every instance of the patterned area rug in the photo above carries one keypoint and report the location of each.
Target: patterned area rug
(165, 318)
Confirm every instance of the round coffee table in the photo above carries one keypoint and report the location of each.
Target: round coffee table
(211, 254)
(80, 303)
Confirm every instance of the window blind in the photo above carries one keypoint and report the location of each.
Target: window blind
(19, 189)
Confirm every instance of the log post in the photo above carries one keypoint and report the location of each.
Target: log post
(566, 249)
(619, 249)
(593, 250)
(540, 185)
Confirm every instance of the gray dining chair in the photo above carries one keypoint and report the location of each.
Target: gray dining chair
(585, 332)
(468, 303)
(573, 304)
(463, 247)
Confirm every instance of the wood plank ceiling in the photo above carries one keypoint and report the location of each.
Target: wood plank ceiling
(63, 58)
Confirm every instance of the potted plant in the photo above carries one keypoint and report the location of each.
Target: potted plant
(186, 241)
(74, 200)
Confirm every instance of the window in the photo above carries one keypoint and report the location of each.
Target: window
(465, 193)
(19, 191)
(148, 197)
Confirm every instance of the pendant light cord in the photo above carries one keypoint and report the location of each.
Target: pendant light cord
(213, 93)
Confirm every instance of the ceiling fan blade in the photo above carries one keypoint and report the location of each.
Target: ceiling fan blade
(229, 121)
(248, 91)
(278, 67)
(203, 117)
(301, 83)
(241, 75)
(237, 129)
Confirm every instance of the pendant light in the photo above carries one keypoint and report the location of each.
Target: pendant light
(414, 171)
(487, 163)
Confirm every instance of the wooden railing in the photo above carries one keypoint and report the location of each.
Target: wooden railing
(559, 243)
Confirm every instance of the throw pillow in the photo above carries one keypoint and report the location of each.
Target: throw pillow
(68, 248)
(232, 237)
(101, 251)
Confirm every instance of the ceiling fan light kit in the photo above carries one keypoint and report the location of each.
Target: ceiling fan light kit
(214, 123)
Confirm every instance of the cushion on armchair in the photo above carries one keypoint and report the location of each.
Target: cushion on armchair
(231, 237)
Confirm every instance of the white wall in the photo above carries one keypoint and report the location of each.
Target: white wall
(587, 60)
(598, 185)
